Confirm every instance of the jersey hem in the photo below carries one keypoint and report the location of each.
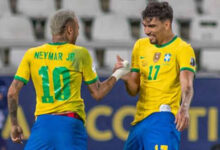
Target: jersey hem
(92, 81)
(21, 79)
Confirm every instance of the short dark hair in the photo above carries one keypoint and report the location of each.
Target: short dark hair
(161, 10)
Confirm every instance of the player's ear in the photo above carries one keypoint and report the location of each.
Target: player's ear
(167, 24)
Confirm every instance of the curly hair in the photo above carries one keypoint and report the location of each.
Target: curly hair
(161, 10)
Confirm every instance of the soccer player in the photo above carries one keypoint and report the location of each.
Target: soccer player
(163, 68)
(57, 70)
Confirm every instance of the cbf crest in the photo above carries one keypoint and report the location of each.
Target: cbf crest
(167, 57)
(156, 57)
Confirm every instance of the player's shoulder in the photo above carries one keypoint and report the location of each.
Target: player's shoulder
(77, 48)
(33, 49)
(183, 44)
(143, 41)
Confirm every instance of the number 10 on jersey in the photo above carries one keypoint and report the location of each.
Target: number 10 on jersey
(61, 89)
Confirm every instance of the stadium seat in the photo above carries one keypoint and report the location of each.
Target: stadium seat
(4, 7)
(111, 28)
(16, 29)
(207, 29)
(183, 9)
(129, 8)
(211, 7)
(83, 8)
(36, 8)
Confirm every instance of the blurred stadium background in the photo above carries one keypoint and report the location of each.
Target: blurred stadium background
(108, 28)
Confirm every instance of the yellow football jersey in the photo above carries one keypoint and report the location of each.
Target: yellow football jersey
(57, 70)
(159, 68)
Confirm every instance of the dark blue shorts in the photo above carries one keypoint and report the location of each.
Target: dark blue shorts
(53, 132)
(156, 132)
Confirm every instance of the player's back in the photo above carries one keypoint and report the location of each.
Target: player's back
(56, 70)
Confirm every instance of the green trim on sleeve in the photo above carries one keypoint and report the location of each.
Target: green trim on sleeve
(21, 79)
(135, 70)
(92, 81)
(187, 68)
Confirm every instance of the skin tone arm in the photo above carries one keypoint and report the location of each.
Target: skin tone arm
(182, 117)
(13, 93)
(132, 83)
(99, 89)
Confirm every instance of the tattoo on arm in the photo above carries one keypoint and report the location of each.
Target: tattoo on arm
(13, 99)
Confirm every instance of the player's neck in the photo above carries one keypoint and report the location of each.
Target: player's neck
(167, 38)
(58, 39)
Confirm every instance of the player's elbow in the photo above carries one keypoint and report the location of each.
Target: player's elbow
(187, 88)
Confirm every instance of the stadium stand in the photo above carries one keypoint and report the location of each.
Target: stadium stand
(104, 29)
(36, 8)
(214, 5)
(207, 28)
(4, 7)
(119, 34)
(185, 9)
(15, 28)
(129, 8)
(83, 8)
(38, 12)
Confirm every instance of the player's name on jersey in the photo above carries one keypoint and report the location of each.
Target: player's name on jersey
(53, 56)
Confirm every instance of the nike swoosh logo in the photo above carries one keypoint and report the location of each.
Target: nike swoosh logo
(141, 57)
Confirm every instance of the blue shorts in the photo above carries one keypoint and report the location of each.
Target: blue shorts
(156, 132)
(54, 132)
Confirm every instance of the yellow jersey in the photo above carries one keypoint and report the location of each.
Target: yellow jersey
(57, 70)
(159, 68)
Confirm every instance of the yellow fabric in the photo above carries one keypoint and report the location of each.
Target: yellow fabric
(57, 70)
(159, 69)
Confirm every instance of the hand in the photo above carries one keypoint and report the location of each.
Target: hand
(182, 118)
(17, 134)
(119, 63)
(121, 68)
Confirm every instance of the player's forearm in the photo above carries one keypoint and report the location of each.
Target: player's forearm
(12, 107)
(187, 94)
(13, 93)
(104, 88)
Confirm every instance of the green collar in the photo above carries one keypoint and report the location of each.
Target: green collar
(57, 43)
(168, 43)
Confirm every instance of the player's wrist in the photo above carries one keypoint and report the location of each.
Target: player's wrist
(121, 71)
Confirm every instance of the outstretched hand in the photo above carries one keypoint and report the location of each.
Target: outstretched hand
(118, 64)
(121, 68)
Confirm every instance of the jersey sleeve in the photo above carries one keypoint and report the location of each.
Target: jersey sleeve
(23, 71)
(135, 58)
(88, 68)
(186, 59)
